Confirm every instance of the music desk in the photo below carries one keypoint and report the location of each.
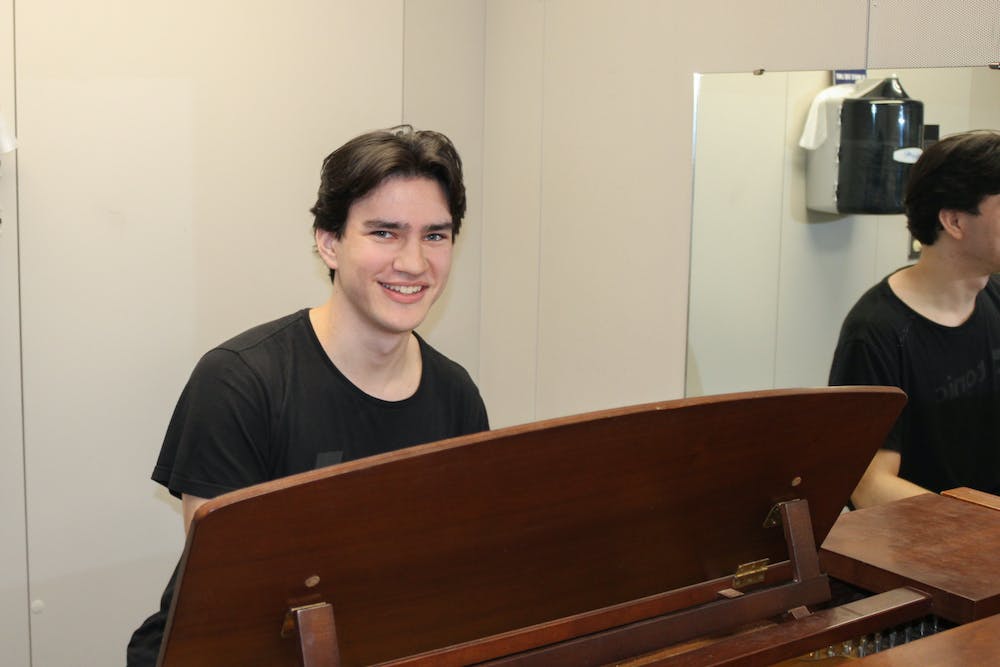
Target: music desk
(587, 540)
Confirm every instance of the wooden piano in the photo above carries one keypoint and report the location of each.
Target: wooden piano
(681, 533)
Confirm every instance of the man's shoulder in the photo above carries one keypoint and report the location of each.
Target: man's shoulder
(261, 351)
(441, 366)
(878, 306)
(274, 331)
(879, 320)
(451, 385)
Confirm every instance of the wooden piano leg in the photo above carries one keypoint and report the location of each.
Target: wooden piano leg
(317, 635)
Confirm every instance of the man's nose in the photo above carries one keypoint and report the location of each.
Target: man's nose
(410, 258)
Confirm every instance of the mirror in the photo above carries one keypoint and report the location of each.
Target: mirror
(772, 281)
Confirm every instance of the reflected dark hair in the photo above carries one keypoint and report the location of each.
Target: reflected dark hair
(956, 173)
(365, 162)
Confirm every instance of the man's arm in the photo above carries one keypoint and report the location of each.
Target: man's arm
(189, 504)
(881, 482)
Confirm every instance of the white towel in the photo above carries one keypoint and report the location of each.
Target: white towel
(815, 131)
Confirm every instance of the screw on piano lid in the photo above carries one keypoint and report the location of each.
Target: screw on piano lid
(312, 581)
(796, 481)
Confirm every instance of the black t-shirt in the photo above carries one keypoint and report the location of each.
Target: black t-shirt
(948, 434)
(270, 403)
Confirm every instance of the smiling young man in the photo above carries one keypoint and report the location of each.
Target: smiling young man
(349, 378)
(933, 329)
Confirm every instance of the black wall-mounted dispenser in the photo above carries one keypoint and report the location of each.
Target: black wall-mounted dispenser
(875, 135)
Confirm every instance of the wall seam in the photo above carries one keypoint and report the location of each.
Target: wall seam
(541, 209)
(687, 311)
(781, 235)
(20, 337)
(402, 63)
(482, 191)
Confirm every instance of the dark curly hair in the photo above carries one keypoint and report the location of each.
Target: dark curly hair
(956, 173)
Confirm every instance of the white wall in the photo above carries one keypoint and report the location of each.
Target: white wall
(170, 152)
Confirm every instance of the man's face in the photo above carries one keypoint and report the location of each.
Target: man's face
(982, 239)
(393, 258)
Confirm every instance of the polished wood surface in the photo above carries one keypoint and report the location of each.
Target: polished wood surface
(973, 644)
(947, 547)
(974, 496)
(483, 546)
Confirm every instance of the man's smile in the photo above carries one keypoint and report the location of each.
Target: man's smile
(403, 289)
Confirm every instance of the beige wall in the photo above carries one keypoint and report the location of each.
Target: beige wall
(588, 184)
(169, 154)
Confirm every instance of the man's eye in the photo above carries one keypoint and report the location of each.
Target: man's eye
(382, 233)
(437, 236)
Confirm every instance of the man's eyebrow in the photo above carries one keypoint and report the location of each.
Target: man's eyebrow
(397, 226)
(384, 224)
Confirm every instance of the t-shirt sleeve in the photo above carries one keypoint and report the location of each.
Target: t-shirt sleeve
(864, 360)
(217, 437)
(857, 362)
(475, 417)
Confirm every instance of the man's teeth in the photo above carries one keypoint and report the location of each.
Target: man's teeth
(404, 289)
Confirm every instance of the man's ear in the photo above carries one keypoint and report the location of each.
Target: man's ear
(326, 246)
(952, 222)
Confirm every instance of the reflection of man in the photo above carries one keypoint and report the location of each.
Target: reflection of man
(933, 329)
(349, 378)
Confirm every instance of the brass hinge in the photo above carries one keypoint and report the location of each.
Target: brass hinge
(750, 573)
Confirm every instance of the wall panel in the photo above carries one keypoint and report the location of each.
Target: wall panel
(918, 33)
(170, 154)
(512, 209)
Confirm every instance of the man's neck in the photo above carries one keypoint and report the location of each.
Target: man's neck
(382, 364)
(939, 286)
